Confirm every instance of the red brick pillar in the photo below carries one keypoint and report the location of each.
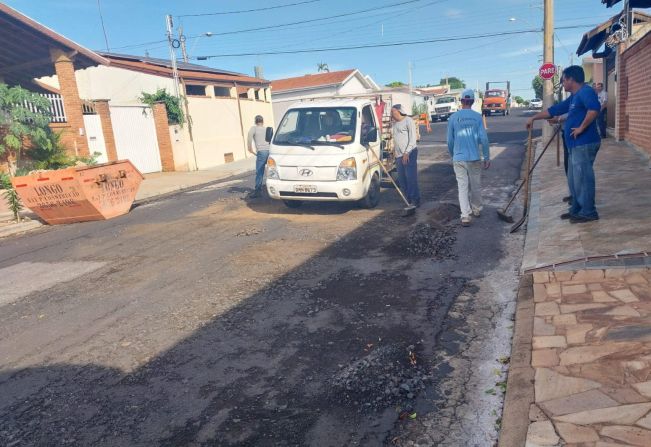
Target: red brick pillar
(163, 136)
(104, 112)
(622, 95)
(65, 71)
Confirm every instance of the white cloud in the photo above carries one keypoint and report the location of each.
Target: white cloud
(534, 50)
(453, 13)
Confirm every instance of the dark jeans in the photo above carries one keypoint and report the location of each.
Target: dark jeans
(601, 121)
(566, 154)
(408, 177)
(581, 180)
(260, 163)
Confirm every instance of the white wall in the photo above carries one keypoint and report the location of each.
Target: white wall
(121, 86)
(352, 86)
(216, 127)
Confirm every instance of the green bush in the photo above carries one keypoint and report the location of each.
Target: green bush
(173, 106)
(10, 195)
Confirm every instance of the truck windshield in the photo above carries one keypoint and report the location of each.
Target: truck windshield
(495, 94)
(445, 99)
(317, 126)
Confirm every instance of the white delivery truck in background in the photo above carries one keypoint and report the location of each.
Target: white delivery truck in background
(326, 150)
(440, 108)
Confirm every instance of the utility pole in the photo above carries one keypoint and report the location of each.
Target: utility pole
(411, 87)
(172, 42)
(548, 56)
(184, 50)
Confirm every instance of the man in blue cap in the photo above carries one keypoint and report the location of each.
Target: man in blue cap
(466, 132)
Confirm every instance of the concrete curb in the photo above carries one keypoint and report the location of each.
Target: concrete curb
(19, 227)
(520, 382)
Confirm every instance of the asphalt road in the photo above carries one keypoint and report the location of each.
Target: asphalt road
(204, 318)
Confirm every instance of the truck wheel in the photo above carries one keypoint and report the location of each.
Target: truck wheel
(293, 203)
(373, 195)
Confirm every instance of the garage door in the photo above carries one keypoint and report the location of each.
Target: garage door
(135, 137)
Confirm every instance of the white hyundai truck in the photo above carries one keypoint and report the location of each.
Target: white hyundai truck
(326, 150)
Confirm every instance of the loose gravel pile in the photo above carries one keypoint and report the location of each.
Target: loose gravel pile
(388, 374)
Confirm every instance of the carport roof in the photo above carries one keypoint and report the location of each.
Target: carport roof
(25, 49)
(632, 4)
(595, 38)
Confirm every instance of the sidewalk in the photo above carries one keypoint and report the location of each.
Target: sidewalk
(154, 185)
(580, 371)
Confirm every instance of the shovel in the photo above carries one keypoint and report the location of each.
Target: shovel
(409, 209)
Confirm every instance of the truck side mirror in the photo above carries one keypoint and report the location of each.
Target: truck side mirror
(269, 134)
(371, 135)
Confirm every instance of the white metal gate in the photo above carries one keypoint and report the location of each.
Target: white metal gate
(95, 135)
(135, 137)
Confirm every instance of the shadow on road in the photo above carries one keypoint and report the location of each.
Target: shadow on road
(331, 353)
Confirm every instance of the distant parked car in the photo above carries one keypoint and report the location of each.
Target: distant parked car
(535, 103)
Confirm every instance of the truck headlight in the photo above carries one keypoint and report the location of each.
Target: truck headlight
(272, 169)
(347, 170)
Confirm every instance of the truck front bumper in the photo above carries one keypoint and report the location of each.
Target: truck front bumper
(318, 191)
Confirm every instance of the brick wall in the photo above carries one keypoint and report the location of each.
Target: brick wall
(65, 71)
(104, 112)
(634, 94)
(163, 136)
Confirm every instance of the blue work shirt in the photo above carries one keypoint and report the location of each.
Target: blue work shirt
(465, 133)
(576, 107)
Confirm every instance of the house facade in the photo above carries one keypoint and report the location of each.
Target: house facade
(624, 64)
(288, 91)
(220, 105)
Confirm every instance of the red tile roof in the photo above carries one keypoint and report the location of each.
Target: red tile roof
(311, 80)
(187, 72)
(25, 49)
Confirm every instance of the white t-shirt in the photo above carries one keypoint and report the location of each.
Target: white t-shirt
(603, 97)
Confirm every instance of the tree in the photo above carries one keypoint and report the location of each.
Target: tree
(537, 86)
(24, 116)
(518, 99)
(322, 67)
(396, 84)
(173, 107)
(453, 82)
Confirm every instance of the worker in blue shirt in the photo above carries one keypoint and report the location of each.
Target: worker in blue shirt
(582, 139)
(466, 132)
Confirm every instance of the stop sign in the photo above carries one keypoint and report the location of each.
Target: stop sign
(547, 70)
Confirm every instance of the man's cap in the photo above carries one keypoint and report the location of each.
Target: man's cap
(400, 108)
(468, 94)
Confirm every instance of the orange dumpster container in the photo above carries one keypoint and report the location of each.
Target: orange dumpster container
(80, 194)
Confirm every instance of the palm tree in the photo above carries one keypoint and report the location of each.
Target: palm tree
(323, 67)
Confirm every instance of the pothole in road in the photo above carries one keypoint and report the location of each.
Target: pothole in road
(445, 213)
(424, 241)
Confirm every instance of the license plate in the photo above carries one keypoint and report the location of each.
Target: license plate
(305, 189)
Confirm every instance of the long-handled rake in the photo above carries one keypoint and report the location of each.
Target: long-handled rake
(502, 213)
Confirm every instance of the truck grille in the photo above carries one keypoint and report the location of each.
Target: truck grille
(443, 110)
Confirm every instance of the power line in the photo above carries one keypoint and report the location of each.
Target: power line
(287, 5)
(280, 25)
(382, 45)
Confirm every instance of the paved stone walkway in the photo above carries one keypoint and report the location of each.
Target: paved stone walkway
(623, 201)
(592, 358)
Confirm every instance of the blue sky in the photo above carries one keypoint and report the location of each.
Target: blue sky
(517, 57)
